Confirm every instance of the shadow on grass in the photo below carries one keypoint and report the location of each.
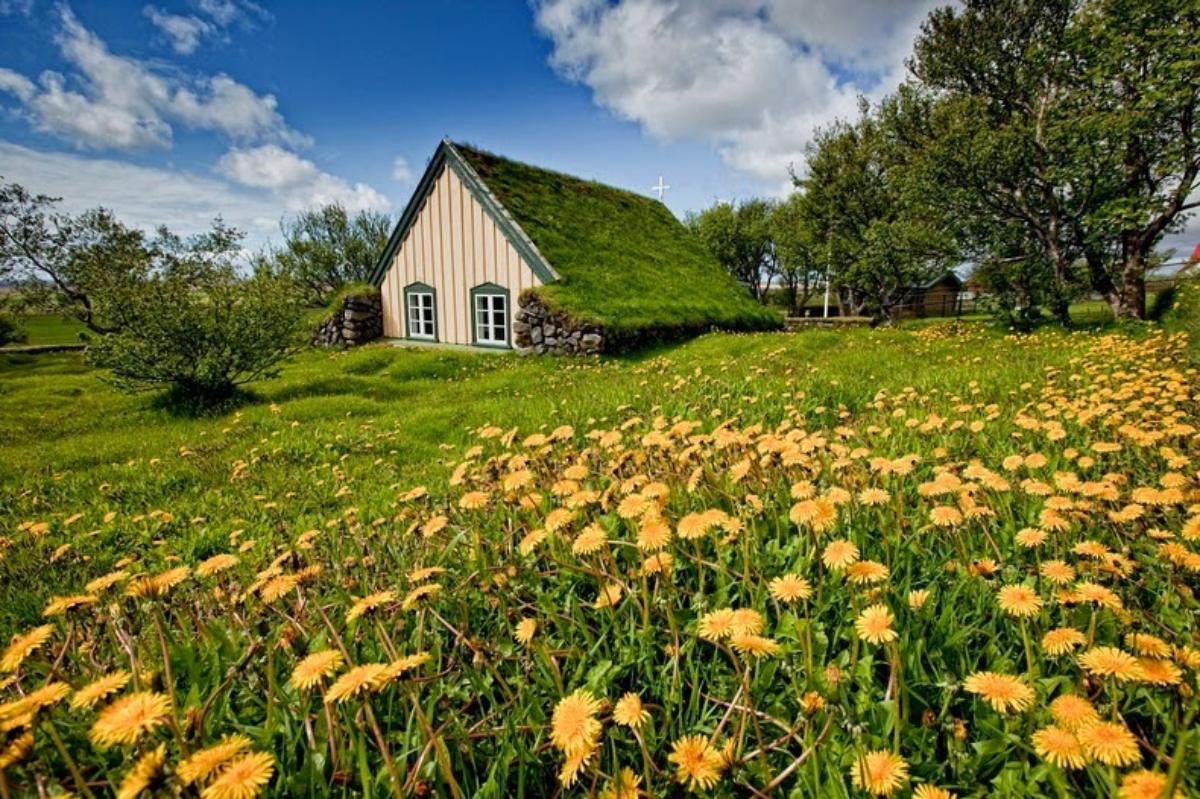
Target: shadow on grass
(184, 403)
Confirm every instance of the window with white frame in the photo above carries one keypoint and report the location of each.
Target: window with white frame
(491, 318)
(420, 313)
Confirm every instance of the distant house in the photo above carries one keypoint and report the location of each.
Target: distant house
(495, 253)
(941, 296)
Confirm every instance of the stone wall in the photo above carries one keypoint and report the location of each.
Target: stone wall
(357, 321)
(537, 330)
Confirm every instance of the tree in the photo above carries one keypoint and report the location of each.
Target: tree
(63, 261)
(797, 247)
(867, 200)
(202, 331)
(739, 237)
(1074, 120)
(327, 248)
(81, 266)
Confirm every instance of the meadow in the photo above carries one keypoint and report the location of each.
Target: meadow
(934, 562)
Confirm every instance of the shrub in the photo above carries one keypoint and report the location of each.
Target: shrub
(203, 336)
(10, 330)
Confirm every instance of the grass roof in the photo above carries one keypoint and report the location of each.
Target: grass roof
(625, 261)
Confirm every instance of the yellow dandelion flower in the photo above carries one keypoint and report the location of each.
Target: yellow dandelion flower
(874, 625)
(574, 727)
(839, 554)
(144, 771)
(697, 764)
(357, 680)
(1057, 572)
(315, 667)
(928, 791)
(1145, 784)
(873, 496)
(945, 516)
(879, 772)
(242, 778)
(530, 541)
(1031, 537)
(368, 603)
(401, 666)
(630, 712)
(59, 605)
(917, 598)
(716, 625)
(130, 717)
(574, 763)
(754, 645)
(1110, 743)
(1159, 671)
(98, 689)
(16, 750)
(1073, 711)
(592, 539)
(658, 563)
(790, 588)
(626, 785)
(610, 595)
(414, 597)
(1062, 640)
(105, 582)
(526, 628)
(473, 500)
(204, 763)
(746, 621)
(653, 534)
(693, 526)
(1148, 645)
(1002, 691)
(1108, 661)
(865, 572)
(216, 564)
(23, 645)
(423, 574)
(1019, 601)
(1059, 747)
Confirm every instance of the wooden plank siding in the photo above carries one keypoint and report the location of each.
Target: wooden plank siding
(454, 246)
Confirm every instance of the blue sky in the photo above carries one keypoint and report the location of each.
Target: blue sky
(175, 110)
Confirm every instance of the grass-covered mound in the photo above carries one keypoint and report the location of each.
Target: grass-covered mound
(626, 262)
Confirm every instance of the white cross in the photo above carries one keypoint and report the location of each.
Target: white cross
(661, 188)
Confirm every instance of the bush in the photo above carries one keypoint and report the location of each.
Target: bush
(203, 336)
(10, 330)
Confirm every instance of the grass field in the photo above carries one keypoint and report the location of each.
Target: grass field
(49, 329)
(888, 562)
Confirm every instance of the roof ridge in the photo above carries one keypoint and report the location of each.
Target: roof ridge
(630, 192)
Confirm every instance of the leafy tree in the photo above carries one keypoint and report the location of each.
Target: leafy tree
(798, 247)
(881, 234)
(1074, 120)
(202, 331)
(327, 248)
(10, 330)
(739, 237)
(83, 266)
(64, 261)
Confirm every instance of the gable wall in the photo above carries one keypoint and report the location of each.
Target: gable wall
(453, 246)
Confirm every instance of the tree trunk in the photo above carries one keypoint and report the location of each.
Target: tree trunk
(1061, 308)
(1128, 299)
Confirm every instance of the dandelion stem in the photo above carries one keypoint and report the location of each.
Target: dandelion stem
(76, 775)
(169, 679)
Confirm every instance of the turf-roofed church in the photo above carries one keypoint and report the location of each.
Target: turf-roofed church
(491, 252)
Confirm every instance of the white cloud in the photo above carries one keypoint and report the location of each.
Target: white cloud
(401, 171)
(296, 181)
(16, 84)
(121, 103)
(227, 12)
(753, 77)
(144, 197)
(183, 30)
